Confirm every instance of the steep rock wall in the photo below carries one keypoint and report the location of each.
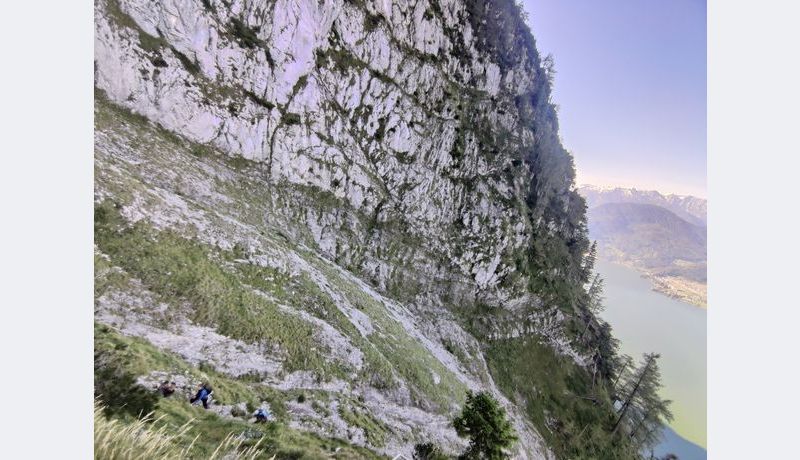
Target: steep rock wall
(411, 143)
(396, 108)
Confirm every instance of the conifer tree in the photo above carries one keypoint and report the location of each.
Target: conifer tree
(646, 429)
(624, 369)
(642, 408)
(595, 294)
(589, 259)
(593, 305)
(484, 421)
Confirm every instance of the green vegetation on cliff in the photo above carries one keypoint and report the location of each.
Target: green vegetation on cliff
(571, 406)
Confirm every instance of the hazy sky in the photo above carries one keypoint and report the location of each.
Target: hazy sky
(631, 85)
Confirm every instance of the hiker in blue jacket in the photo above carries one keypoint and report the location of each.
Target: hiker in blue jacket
(202, 395)
(262, 415)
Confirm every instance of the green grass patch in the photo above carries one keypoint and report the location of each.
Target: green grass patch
(246, 36)
(374, 431)
(555, 394)
(184, 271)
(405, 355)
(275, 438)
(105, 276)
(259, 100)
(135, 357)
(290, 118)
(302, 292)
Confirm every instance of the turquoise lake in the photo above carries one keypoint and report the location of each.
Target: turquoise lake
(647, 321)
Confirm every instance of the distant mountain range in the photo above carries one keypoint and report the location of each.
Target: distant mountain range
(689, 208)
(664, 237)
(646, 232)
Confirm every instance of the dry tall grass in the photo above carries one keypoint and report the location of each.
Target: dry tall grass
(139, 440)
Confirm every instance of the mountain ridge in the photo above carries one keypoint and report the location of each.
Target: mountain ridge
(663, 237)
(364, 204)
(689, 207)
(666, 237)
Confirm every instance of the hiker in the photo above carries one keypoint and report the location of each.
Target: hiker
(202, 395)
(262, 415)
(167, 388)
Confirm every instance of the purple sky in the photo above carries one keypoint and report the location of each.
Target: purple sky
(631, 85)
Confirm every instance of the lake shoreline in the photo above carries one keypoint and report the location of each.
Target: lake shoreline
(645, 320)
(679, 288)
(674, 287)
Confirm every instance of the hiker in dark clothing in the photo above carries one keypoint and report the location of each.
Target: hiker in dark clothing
(202, 395)
(261, 416)
(167, 388)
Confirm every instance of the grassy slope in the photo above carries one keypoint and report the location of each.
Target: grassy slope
(554, 393)
(149, 255)
(139, 357)
(179, 267)
(223, 290)
(510, 365)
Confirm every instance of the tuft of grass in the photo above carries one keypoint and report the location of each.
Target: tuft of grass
(374, 431)
(392, 349)
(140, 439)
(246, 36)
(191, 66)
(291, 118)
(259, 100)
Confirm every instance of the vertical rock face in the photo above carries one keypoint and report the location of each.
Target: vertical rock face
(413, 141)
(422, 123)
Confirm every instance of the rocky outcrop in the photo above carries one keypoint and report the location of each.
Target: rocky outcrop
(402, 153)
(392, 107)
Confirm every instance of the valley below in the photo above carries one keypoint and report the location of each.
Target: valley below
(661, 237)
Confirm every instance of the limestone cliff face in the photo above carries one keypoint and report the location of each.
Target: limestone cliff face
(410, 142)
(394, 107)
